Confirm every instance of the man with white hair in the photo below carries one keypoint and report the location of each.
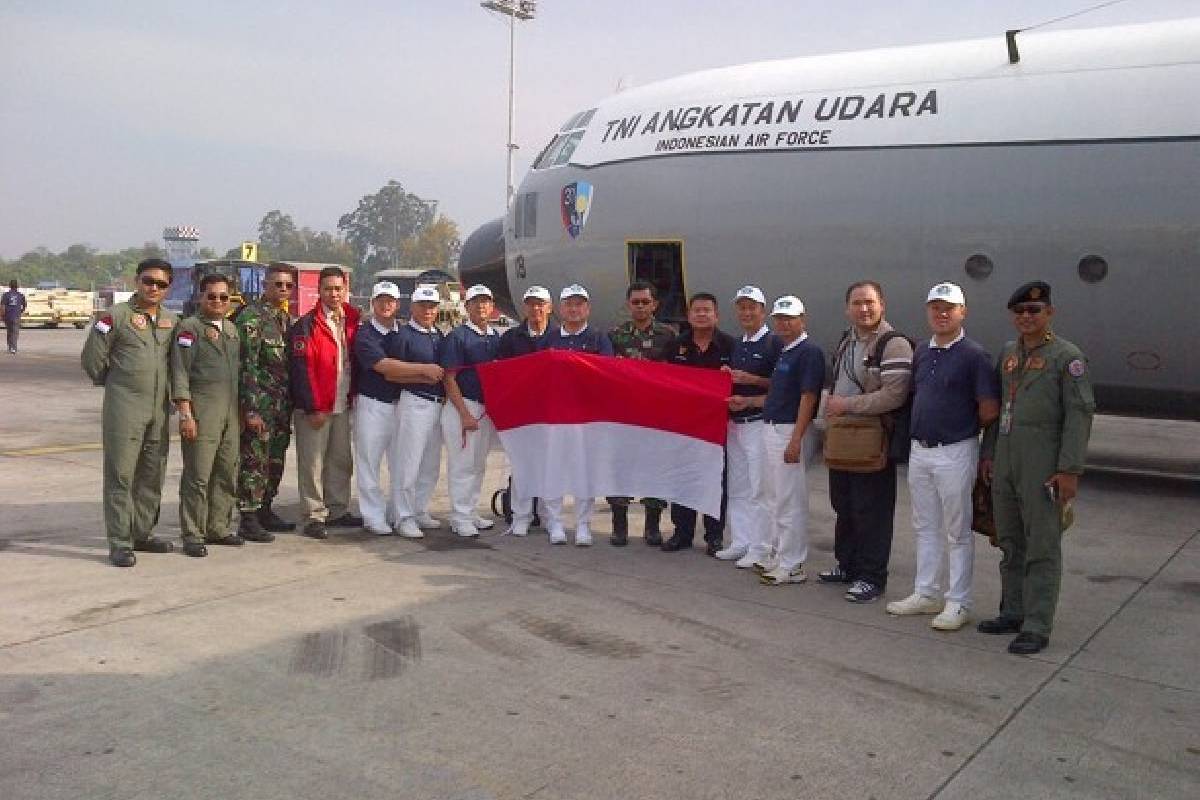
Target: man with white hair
(955, 395)
(466, 429)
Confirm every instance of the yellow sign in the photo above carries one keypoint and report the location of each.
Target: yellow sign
(249, 251)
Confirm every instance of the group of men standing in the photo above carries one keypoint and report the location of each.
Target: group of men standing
(240, 388)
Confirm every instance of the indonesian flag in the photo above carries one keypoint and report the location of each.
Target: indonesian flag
(593, 426)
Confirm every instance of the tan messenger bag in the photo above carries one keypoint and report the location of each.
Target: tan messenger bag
(855, 444)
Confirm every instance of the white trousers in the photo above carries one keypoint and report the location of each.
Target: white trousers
(786, 492)
(746, 510)
(375, 424)
(323, 465)
(417, 454)
(522, 504)
(465, 465)
(554, 512)
(940, 480)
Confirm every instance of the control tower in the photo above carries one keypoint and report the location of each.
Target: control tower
(182, 242)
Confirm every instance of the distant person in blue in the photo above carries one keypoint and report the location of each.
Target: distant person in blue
(467, 431)
(789, 441)
(14, 304)
(574, 333)
(956, 394)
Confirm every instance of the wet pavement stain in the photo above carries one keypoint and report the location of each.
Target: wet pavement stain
(1113, 578)
(88, 614)
(441, 542)
(578, 636)
(320, 654)
(1186, 587)
(397, 644)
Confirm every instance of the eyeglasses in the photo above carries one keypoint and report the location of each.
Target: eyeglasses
(1032, 309)
(640, 301)
(284, 284)
(222, 297)
(157, 284)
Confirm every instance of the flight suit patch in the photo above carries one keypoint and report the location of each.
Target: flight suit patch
(1077, 368)
(185, 339)
(212, 333)
(138, 321)
(104, 324)
(1010, 364)
(166, 323)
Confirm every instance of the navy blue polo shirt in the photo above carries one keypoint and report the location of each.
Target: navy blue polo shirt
(370, 347)
(800, 370)
(417, 347)
(518, 341)
(758, 357)
(463, 347)
(948, 383)
(588, 340)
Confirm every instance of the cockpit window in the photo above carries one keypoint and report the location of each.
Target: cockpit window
(563, 145)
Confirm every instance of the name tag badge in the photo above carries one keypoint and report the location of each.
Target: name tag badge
(1006, 419)
(1036, 362)
(647, 344)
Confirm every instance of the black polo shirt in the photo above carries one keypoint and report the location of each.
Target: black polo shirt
(685, 352)
(757, 356)
(464, 347)
(518, 341)
(370, 347)
(800, 370)
(588, 340)
(417, 346)
(948, 383)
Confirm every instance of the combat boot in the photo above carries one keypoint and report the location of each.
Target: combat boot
(653, 535)
(620, 519)
(270, 521)
(250, 528)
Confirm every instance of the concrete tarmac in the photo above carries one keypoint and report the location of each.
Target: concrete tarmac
(376, 667)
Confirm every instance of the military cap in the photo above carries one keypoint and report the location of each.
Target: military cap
(1032, 292)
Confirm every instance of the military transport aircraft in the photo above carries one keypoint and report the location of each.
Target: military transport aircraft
(1070, 156)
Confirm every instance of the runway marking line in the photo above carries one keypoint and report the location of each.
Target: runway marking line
(57, 449)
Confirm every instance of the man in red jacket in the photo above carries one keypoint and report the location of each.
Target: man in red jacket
(323, 387)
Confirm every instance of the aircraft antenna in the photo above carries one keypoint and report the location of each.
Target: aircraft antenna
(1010, 36)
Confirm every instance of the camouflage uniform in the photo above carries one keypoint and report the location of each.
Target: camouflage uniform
(263, 389)
(648, 345)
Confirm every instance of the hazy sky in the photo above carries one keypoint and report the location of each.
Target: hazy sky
(120, 117)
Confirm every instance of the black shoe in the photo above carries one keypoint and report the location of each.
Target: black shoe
(620, 534)
(835, 575)
(1000, 625)
(153, 544)
(251, 528)
(1026, 643)
(863, 592)
(122, 557)
(195, 549)
(230, 539)
(652, 535)
(711, 549)
(676, 543)
(270, 521)
(315, 529)
(346, 520)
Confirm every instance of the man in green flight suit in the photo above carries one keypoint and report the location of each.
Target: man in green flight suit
(126, 352)
(642, 337)
(1033, 456)
(265, 400)
(204, 387)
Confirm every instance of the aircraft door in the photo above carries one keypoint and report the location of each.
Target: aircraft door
(661, 263)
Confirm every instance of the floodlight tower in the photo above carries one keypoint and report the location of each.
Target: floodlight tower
(514, 10)
(181, 241)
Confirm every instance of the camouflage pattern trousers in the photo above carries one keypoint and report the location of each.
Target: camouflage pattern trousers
(261, 467)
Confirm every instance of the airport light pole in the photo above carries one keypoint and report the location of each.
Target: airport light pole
(514, 10)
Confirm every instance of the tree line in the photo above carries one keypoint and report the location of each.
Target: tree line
(390, 228)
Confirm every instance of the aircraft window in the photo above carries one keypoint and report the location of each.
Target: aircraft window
(979, 266)
(586, 119)
(571, 123)
(1093, 269)
(546, 159)
(568, 147)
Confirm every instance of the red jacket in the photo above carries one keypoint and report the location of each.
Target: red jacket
(314, 353)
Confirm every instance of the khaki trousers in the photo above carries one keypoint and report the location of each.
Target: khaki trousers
(324, 466)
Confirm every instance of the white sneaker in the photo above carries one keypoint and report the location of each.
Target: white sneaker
(378, 530)
(484, 523)
(583, 536)
(747, 561)
(765, 563)
(779, 576)
(952, 618)
(427, 521)
(915, 603)
(409, 530)
(732, 553)
(518, 529)
(558, 536)
(465, 530)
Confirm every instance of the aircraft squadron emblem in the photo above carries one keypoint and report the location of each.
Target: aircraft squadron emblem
(576, 204)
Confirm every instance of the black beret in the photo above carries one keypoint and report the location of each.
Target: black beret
(1032, 292)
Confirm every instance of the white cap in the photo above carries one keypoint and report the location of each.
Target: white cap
(385, 287)
(574, 290)
(788, 306)
(426, 294)
(537, 293)
(750, 293)
(950, 292)
(478, 290)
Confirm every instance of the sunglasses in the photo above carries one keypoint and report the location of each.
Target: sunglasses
(640, 301)
(222, 297)
(1032, 309)
(284, 284)
(157, 284)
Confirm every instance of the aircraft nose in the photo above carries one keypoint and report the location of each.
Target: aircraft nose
(482, 261)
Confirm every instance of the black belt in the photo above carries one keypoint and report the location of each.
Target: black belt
(929, 444)
(744, 420)
(433, 398)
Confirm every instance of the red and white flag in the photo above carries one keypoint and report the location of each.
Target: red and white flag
(593, 426)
